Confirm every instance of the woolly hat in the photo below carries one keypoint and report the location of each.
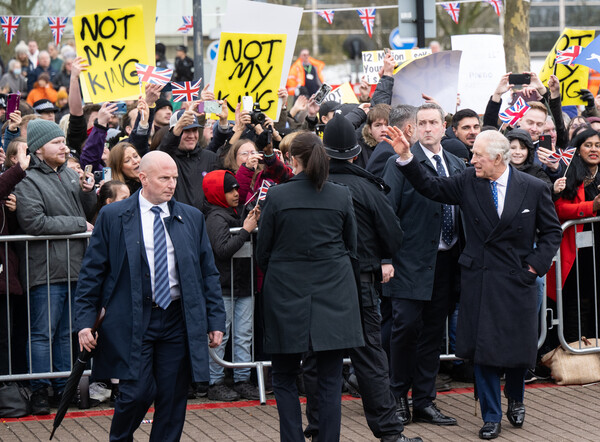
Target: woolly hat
(339, 138)
(40, 132)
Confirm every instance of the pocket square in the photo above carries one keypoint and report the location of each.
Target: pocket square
(525, 211)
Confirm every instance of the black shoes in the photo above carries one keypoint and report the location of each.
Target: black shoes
(39, 402)
(222, 393)
(432, 415)
(403, 410)
(400, 438)
(515, 413)
(490, 430)
(246, 390)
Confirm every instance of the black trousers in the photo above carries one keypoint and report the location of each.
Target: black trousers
(164, 378)
(286, 368)
(417, 334)
(371, 369)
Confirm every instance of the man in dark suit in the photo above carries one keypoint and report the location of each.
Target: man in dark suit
(512, 234)
(149, 262)
(425, 271)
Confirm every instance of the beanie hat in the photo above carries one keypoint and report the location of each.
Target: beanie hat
(216, 184)
(339, 138)
(230, 183)
(161, 102)
(40, 132)
(61, 94)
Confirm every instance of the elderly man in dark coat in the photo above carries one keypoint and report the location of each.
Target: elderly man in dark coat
(504, 211)
(149, 262)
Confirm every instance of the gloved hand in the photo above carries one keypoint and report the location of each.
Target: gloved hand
(587, 96)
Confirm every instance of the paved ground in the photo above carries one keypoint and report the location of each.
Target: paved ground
(553, 414)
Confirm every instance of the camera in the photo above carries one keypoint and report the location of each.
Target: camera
(256, 116)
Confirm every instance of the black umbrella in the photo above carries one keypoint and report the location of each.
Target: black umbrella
(73, 380)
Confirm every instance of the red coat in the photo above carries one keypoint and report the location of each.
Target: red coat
(567, 210)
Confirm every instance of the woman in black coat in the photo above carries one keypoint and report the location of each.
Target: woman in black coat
(306, 239)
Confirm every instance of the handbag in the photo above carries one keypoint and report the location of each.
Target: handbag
(574, 369)
(14, 400)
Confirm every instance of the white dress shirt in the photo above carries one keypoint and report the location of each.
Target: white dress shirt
(148, 231)
(501, 186)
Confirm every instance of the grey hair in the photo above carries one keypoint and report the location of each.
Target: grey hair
(21, 48)
(12, 63)
(401, 115)
(496, 144)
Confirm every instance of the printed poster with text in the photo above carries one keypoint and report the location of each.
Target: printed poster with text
(250, 64)
(111, 43)
(572, 78)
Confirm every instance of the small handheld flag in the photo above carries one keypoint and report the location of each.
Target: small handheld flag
(568, 55)
(188, 24)
(565, 156)
(513, 114)
(185, 91)
(152, 74)
(264, 188)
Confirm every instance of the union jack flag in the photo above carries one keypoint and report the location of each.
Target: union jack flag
(185, 91)
(367, 17)
(566, 155)
(188, 24)
(152, 74)
(9, 24)
(264, 188)
(57, 25)
(327, 15)
(497, 5)
(568, 55)
(452, 8)
(514, 113)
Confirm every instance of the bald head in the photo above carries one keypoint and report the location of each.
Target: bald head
(158, 175)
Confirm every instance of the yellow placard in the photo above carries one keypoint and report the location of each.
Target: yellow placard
(572, 78)
(250, 64)
(84, 7)
(342, 94)
(112, 45)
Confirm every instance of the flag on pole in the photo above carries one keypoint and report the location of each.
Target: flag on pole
(513, 114)
(497, 5)
(188, 24)
(367, 17)
(9, 24)
(264, 188)
(152, 74)
(568, 56)
(327, 15)
(452, 8)
(57, 25)
(185, 91)
(565, 155)
(590, 55)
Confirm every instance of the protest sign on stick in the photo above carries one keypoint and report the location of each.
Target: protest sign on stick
(250, 64)
(572, 78)
(111, 43)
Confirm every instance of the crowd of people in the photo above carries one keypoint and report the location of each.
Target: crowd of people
(369, 237)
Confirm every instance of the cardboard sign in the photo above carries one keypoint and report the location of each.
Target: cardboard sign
(342, 94)
(250, 64)
(373, 61)
(572, 78)
(481, 66)
(422, 76)
(112, 45)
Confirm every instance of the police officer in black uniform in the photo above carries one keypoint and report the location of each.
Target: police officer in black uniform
(379, 236)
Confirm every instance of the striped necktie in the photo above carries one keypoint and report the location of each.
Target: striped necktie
(162, 289)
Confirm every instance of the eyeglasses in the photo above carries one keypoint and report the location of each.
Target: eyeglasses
(244, 154)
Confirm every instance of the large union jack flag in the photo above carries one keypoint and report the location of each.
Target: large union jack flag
(497, 5)
(565, 155)
(568, 55)
(367, 17)
(152, 74)
(57, 25)
(9, 24)
(188, 24)
(327, 15)
(185, 91)
(452, 8)
(514, 113)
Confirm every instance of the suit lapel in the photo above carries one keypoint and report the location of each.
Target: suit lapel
(417, 151)
(483, 194)
(134, 240)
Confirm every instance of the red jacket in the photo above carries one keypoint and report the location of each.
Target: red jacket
(568, 209)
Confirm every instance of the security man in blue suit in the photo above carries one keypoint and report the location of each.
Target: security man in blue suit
(150, 263)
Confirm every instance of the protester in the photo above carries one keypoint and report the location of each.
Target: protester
(310, 293)
(496, 288)
(52, 200)
(223, 212)
(579, 199)
(155, 343)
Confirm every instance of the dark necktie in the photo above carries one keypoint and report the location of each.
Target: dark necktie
(447, 222)
(494, 187)
(162, 290)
